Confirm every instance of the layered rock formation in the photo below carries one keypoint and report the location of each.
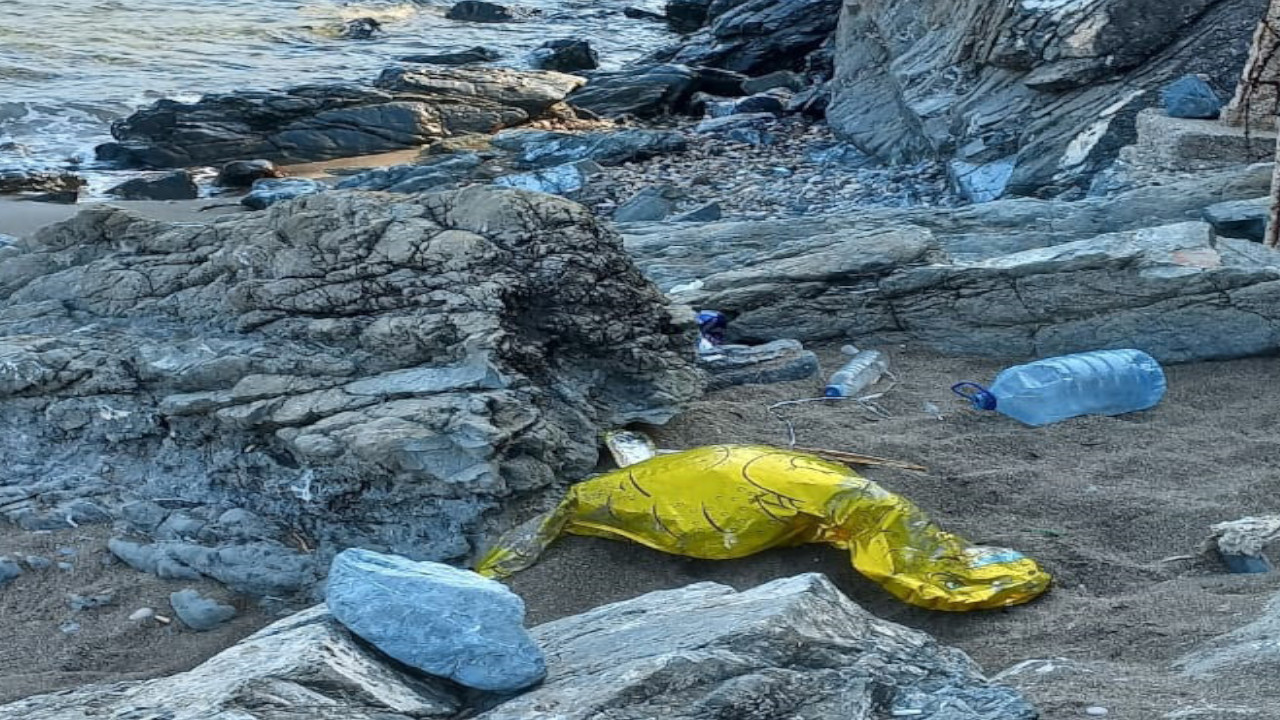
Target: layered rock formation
(343, 369)
(793, 648)
(1014, 278)
(404, 109)
(1026, 97)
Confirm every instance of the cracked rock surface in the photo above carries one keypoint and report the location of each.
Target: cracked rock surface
(248, 397)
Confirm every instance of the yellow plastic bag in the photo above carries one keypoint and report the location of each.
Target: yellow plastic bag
(730, 501)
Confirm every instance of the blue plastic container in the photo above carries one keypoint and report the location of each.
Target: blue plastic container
(1103, 382)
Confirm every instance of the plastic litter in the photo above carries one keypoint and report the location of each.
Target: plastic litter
(1103, 382)
(729, 501)
(864, 369)
(711, 329)
(629, 447)
(1241, 543)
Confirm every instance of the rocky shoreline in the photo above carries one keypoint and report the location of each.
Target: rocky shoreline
(410, 358)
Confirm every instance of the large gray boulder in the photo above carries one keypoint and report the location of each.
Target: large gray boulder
(443, 621)
(354, 369)
(404, 109)
(793, 648)
(756, 37)
(1048, 89)
(1009, 279)
(306, 660)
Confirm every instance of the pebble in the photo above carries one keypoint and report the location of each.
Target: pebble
(35, 562)
(69, 627)
(66, 566)
(1095, 710)
(80, 602)
(200, 613)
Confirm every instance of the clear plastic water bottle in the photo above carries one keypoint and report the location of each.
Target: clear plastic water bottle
(859, 373)
(1103, 382)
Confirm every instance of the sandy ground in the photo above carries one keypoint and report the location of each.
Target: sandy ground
(1103, 503)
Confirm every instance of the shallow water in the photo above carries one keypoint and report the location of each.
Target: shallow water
(67, 69)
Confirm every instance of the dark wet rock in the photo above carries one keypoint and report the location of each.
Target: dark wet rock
(179, 185)
(566, 180)
(541, 148)
(652, 90)
(761, 36)
(199, 613)
(1191, 97)
(244, 173)
(1057, 87)
(638, 13)
(437, 173)
(750, 129)
(470, 56)
(63, 197)
(18, 180)
(355, 369)
(652, 203)
(567, 56)
(773, 104)
(687, 16)
(408, 108)
(360, 29)
(443, 621)
(773, 362)
(266, 193)
(478, 11)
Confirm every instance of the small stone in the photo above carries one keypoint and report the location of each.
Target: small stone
(243, 173)
(177, 185)
(80, 603)
(35, 562)
(142, 615)
(69, 627)
(1191, 97)
(1095, 711)
(199, 613)
(66, 566)
(9, 569)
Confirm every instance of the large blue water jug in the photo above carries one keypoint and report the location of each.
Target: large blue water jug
(1103, 382)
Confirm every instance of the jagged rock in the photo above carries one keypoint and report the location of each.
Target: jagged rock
(407, 108)
(784, 79)
(266, 193)
(686, 16)
(976, 281)
(707, 213)
(540, 148)
(1243, 219)
(360, 28)
(792, 648)
(748, 128)
(18, 180)
(773, 362)
(565, 56)
(476, 54)
(479, 11)
(244, 173)
(565, 180)
(656, 202)
(441, 620)
(1248, 652)
(437, 173)
(651, 90)
(1191, 97)
(1055, 86)
(760, 36)
(360, 369)
(306, 661)
(172, 186)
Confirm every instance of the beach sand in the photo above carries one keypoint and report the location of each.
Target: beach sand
(1102, 503)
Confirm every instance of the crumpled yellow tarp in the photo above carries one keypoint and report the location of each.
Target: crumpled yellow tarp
(729, 501)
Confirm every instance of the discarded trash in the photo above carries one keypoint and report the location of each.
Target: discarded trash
(1104, 382)
(711, 329)
(730, 501)
(862, 371)
(629, 447)
(1240, 543)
